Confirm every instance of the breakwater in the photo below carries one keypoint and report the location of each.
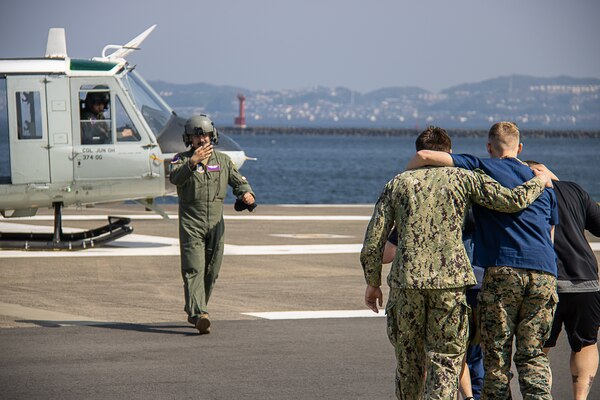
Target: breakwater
(406, 132)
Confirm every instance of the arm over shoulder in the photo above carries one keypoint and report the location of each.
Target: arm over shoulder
(466, 161)
(430, 158)
(488, 193)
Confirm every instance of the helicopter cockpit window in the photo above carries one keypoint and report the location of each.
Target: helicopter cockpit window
(29, 115)
(95, 115)
(126, 131)
(154, 110)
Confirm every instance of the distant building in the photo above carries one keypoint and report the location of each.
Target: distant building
(240, 120)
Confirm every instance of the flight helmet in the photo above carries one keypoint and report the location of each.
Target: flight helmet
(199, 125)
(98, 97)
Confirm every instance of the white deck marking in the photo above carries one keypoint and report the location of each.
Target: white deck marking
(310, 235)
(236, 250)
(152, 246)
(14, 227)
(146, 245)
(85, 217)
(317, 314)
(298, 217)
(326, 205)
(239, 217)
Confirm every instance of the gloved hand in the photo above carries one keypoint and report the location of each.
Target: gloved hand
(241, 206)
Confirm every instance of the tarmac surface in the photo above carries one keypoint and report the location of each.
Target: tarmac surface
(288, 316)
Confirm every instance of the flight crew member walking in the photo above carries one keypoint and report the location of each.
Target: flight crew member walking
(427, 310)
(201, 175)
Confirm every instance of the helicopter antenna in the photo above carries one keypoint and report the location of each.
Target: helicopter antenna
(121, 51)
(56, 46)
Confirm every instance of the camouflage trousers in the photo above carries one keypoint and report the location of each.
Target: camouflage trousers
(428, 329)
(516, 303)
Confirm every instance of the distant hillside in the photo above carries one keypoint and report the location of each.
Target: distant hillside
(518, 83)
(202, 95)
(536, 103)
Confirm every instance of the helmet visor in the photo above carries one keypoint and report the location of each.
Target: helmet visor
(198, 131)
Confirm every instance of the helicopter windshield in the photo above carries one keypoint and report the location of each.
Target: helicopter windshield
(155, 111)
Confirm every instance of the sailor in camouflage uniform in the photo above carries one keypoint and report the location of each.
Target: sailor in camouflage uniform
(427, 309)
(201, 176)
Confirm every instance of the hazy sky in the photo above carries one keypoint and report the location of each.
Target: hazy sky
(291, 44)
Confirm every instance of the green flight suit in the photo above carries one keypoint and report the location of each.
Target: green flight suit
(201, 190)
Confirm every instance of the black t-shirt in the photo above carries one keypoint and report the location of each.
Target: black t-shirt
(576, 213)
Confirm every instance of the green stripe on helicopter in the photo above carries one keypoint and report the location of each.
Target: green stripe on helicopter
(90, 65)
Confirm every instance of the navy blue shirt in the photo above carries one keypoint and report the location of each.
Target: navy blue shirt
(519, 240)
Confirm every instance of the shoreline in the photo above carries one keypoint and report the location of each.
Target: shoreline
(409, 132)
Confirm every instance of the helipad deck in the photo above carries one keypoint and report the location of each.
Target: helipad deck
(288, 315)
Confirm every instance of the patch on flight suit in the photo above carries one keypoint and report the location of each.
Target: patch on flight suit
(175, 159)
(213, 168)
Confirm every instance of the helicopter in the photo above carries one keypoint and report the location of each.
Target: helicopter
(54, 154)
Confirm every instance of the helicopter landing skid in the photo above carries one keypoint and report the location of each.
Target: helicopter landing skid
(117, 227)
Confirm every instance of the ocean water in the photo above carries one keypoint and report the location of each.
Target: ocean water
(336, 169)
(332, 169)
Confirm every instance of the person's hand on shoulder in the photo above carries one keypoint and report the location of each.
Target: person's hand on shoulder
(545, 178)
(545, 170)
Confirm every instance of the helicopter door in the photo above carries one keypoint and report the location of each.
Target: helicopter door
(108, 144)
(59, 128)
(29, 156)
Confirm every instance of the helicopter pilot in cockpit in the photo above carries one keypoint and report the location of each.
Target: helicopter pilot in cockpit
(95, 127)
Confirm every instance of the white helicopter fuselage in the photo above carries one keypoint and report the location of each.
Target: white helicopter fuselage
(48, 156)
(48, 161)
